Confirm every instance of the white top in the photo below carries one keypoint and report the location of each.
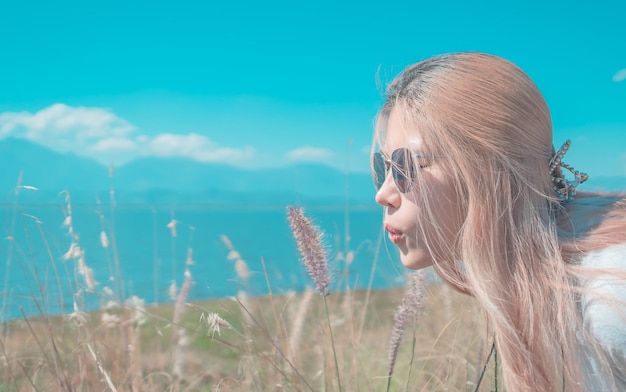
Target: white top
(603, 307)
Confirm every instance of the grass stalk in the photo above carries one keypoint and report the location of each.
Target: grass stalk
(279, 324)
(332, 343)
(412, 359)
(101, 369)
(11, 231)
(61, 376)
(277, 347)
(482, 374)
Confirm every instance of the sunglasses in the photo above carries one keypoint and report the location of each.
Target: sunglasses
(402, 167)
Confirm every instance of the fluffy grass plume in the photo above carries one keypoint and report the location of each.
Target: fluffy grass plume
(310, 245)
(409, 309)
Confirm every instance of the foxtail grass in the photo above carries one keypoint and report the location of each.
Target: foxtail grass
(409, 310)
(311, 247)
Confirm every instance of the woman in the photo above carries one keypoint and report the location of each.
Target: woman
(472, 185)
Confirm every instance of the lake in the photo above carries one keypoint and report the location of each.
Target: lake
(143, 257)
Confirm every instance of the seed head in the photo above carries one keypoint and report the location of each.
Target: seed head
(215, 323)
(311, 248)
(410, 308)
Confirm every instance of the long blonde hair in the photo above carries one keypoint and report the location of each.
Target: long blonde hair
(515, 249)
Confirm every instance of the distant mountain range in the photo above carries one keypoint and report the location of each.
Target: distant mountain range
(172, 180)
(179, 181)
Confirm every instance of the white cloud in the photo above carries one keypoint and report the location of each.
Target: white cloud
(100, 134)
(310, 154)
(64, 127)
(63, 119)
(112, 144)
(194, 146)
(620, 75)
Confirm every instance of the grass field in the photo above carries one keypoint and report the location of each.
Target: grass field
(344, 341)
(262, 344)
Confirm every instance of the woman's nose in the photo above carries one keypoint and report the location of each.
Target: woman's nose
(388, 194)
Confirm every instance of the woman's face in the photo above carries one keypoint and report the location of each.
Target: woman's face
(421, 235)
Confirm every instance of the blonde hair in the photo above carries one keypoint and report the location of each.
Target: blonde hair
(515, 248)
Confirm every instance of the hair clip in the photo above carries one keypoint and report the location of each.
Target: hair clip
(565, 189)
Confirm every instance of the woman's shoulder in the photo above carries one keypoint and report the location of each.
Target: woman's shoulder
(613, 256)
(604, 295)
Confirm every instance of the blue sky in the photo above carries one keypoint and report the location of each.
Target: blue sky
(258, 84)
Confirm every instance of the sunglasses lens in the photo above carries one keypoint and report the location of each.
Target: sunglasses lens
(378, 163)
(403, 169)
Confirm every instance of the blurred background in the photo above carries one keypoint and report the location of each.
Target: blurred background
(210, 114)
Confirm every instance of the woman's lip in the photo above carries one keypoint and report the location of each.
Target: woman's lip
(394, 234)
(395, 237)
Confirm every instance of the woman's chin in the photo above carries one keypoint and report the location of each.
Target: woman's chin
(416, 260)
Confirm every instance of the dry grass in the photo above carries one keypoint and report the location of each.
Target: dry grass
(293, 342)
(56, 353)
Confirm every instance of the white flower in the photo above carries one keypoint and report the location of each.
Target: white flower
(172, 226)
(67, 222)
(242, 269)
(173, 290)
(189, 257)
(77, 316)
(233, 255)
(73, 253)
(137, 305)
(109, 320)
(215, 323)
(104, 240)
(110, 305)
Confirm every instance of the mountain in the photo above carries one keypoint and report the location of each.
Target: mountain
(207, 182)
(44, 168)
(26, 163)
(180, 181)
(172, 180)
(190, 176)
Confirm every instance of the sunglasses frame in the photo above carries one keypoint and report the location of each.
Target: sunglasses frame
(403, 177)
